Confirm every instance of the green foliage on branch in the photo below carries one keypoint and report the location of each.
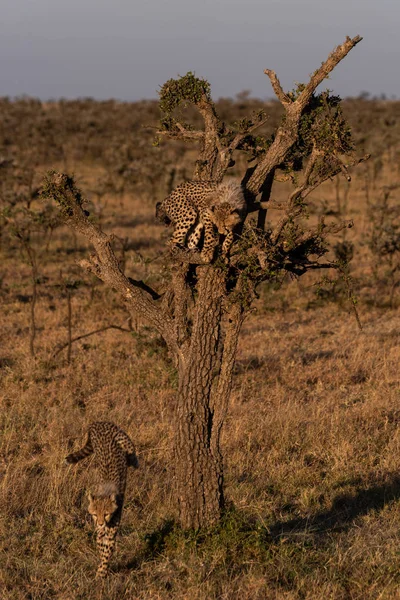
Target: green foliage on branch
(188, 89)
(323, 126)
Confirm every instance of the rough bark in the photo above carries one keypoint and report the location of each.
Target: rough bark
(222, 391)
(209, 153)
(198, 467)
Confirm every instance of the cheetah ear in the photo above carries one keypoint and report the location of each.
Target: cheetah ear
(113, 498)
(90, 496)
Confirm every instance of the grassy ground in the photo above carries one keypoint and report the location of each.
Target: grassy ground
(311, 440)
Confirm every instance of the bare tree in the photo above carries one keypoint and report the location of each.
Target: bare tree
(201, 313)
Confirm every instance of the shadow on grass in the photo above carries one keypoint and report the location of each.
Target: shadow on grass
(239, 535)
(155, 545)
(345, 509)
(254, 363)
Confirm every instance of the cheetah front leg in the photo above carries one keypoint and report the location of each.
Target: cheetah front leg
(210, 241)
(106, 545)
(228, 241)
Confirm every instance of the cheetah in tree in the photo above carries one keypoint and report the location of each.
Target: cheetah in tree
(195, 207)
(114, 452)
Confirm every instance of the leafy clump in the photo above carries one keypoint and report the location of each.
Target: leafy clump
(185, 90)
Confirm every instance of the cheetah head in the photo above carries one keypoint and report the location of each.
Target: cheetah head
(102, 507)
(226, 219)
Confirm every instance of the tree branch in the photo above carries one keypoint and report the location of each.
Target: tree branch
(276, 86)
(330, 173)
(273, 204)
(225, 153)
(182, 133)
(295, 198)
(322, 73)
(266, 189)
(209, 153)
(185, 256)
(104, 263)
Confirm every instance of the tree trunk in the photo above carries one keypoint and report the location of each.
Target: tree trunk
(198, 464)
(198, 469)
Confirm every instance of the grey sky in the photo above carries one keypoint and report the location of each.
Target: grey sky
(127, 48)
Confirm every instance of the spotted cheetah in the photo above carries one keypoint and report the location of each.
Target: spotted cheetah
(114, 452)
(198, 206)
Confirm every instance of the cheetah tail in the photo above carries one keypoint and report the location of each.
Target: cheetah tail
(80, 454)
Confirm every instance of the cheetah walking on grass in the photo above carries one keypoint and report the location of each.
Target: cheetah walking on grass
(114, 452)
(195, 207)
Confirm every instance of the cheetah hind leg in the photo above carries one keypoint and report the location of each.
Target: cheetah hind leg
(195, 236)
(183, 224)
(124, 441)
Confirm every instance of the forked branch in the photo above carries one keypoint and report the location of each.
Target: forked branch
(217, 143)
(287, 134)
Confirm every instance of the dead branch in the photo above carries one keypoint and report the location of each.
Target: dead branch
(276, 86)
(298, 196)
(329, 174)
(324, 230)
(323, 71)
(287, 133)
(86, 335)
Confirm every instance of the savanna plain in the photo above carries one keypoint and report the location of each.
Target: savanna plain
(311, 441)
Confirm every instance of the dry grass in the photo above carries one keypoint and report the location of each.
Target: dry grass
(311, 441)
